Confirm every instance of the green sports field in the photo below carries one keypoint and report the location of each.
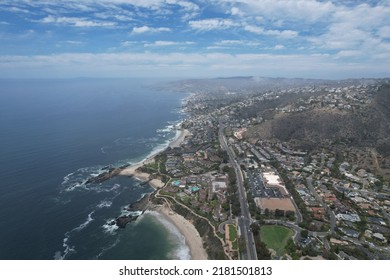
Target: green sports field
(233, 236)
(275, 237)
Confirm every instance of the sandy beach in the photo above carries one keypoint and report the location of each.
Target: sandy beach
(193, 240)
(155, 183)
(177, 142)
(132, 170)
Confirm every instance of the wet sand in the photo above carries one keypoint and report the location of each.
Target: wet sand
(193, 240)
(179, 140)
(191, 235)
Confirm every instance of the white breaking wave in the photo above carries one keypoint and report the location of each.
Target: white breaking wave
(166, 129)
(77, 179)
(83, 225)
(110, 226)
(126, 212)
(68, 249)
(104, 204)
(67, 178)
(105, 189)
(71, 249)
(108, 248)
(181, 251)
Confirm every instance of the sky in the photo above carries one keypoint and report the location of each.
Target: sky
(198, 38)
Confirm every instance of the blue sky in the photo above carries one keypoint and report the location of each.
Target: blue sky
(199, 38)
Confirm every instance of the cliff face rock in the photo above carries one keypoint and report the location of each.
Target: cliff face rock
(122, 221)
(108, 173)
(139, 205)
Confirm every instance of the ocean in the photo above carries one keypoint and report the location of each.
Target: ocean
(57, 133)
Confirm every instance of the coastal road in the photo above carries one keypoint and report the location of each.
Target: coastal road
(244, 221)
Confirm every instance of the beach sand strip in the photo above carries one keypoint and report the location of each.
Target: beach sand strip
(188, 230)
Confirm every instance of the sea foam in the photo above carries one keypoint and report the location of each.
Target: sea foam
(181, 251)
(104, 204)
(110, 227)
(86, 223)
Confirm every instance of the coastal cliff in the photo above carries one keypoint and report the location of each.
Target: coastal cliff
(138, 206)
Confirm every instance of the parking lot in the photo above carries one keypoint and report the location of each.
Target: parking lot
(256, 184)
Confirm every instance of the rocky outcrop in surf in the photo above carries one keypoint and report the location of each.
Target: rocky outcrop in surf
(137, 207)
(107, 174)
(122, 221)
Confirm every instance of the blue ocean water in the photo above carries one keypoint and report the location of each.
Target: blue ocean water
(57, 133)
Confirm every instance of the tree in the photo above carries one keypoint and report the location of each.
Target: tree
(291, 248)
(290, 215)
(279, 213)
(262, 251)
(304, 233)
(255, 228)
(225, 206)
(225, 169)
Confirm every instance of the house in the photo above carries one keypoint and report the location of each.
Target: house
(349, 232)
(348, 217)
(379, 236)
(218, 186)
(190, 157)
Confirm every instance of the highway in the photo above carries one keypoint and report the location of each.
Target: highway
(244, 221)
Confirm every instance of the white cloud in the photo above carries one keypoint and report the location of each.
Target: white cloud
(189, 6)
(161, 44)
(156, 6)
(348, 53)
(212, 24)
(236, 12)
(384, 32)
(76, 22)
(358, 31)
(14, 9)
(254, 29)
(150, 64)
(239, 43)
(286, 34)
(168, 43)
(71, 42)
(126, 44)
(146, 29)
(305, 10)
(121, 15)
(358, 28)
(234, 45)
(279, 47)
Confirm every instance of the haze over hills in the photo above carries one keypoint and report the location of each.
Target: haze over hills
(243, 84)
(309, 114)
(316, 128)
(326, 141)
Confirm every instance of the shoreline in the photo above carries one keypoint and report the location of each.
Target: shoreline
(132, 171)
(180, 139)
(185, 227)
